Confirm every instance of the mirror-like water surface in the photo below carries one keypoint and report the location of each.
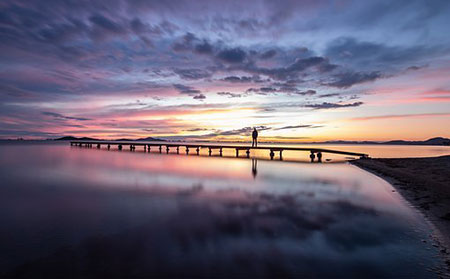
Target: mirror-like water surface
(70, 211)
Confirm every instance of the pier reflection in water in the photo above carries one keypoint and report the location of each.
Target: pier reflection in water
(111, 214)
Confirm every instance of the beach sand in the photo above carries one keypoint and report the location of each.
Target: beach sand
(425, 183)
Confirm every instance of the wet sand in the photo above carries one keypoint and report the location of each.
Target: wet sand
(425, 183)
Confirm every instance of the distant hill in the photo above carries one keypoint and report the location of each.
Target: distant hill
(432, 141)
(150, 139)
(75, 138)
(87, 138)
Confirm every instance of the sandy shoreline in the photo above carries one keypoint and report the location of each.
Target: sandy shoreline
(425, 183)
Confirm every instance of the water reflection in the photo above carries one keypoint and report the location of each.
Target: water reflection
(254, 167)
(93, 213)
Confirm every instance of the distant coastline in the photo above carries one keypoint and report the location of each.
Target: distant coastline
(437, 141)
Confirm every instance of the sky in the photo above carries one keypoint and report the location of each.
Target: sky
(298, 71)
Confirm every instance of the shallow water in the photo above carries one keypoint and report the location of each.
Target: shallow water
(76, 211)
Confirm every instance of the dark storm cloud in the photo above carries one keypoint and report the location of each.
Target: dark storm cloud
(106, 24)
(376, 55)
(292, 71)
(328, 95)
(186, 89)
(262, 90)
(233, 55)
(243, 79)
(283, 89)
(139, 27)
(307, 92)
(236, 79)
(268, 54)
(326, 105)
(348, 79)
(229, 94)
(199, 97)
(185, 43)
(193, 73)
(204, 47)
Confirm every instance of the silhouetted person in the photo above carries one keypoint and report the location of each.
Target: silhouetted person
(254, 165)
(319, 157)
(312, 156)
(254, 138)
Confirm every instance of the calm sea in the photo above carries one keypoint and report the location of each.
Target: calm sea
(79, 212)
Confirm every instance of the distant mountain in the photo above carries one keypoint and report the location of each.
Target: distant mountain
(432, 141)
(150, 139)
(87, 138)
(75, 138)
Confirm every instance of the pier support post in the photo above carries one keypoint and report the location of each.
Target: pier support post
(271, 154)
(98, 145)
(220, 152)
(198, 150)
(131, 147)
(109, 146)
(281, 155)
(248, 153)
(149, 148)
(120, 147)
(187, 150)
(210, 151)
(167, 149)
(160, 149)
(178, 150)
(145, 148)
(237, 152)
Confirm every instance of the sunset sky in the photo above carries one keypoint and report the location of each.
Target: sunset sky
(211, 70)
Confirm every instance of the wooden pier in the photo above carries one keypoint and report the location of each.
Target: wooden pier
(188, 147)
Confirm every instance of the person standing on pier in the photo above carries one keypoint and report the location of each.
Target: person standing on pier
(254, 138)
